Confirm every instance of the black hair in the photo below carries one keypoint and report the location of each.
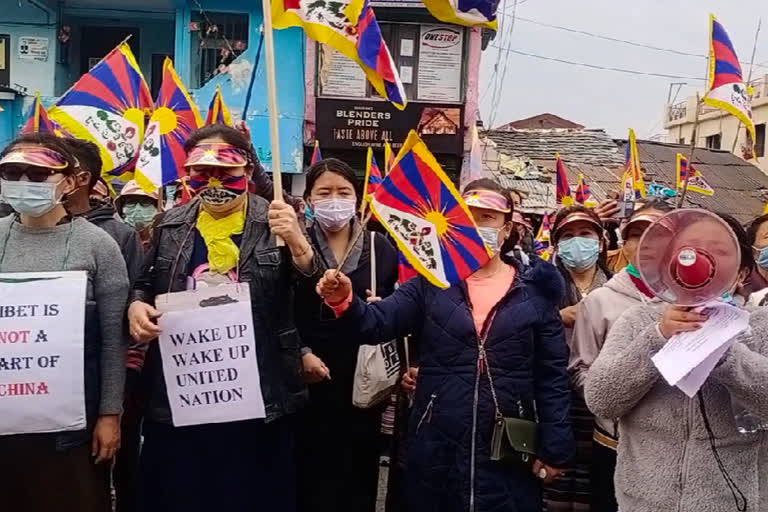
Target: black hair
(46, 140)
(88, 158)
(754, 227)
(747, 261)
(229, 135)
(563, 213)
(335, 166)
(514, 237)
(653, 203)
(572, 293)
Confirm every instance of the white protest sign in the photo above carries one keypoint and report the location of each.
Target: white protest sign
(208, 350)
(42, 339)
(685, 352)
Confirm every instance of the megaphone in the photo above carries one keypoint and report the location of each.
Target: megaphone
(689, 257)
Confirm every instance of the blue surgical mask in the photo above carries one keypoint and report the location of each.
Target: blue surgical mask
(762, 259)
(30, 198)
(578, 253)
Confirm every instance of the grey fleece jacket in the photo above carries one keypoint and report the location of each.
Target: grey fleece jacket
(90, 249)
(665, 462)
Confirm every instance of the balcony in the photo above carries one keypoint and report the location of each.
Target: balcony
(678, 113)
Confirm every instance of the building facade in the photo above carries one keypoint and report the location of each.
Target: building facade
(47, 45)
(439, 68)
(718, 129)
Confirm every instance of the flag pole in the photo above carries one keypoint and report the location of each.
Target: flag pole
(681, 199)
(749, 79)
(274, 131)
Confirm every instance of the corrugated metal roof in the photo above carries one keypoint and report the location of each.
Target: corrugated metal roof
(741, 189)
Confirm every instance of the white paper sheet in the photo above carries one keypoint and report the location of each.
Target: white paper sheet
(685, 352)
(691, 383)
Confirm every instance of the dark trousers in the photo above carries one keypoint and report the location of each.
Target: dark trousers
(602, 471)
(125, 474)
(233, 467)
(35, 477)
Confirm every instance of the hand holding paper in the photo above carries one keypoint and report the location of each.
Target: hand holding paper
(689, 357)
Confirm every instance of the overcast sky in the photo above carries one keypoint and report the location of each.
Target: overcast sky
(608, 99)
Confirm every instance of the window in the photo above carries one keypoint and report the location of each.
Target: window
(681, 141)
(217, 39)
(713, 141)
(428, 57)
(760, 140)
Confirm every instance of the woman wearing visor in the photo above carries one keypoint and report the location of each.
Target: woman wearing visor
(65, 470)
(594, 318)
(492, 348)
(225, 235)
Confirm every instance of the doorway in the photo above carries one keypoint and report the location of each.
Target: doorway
(97, 42)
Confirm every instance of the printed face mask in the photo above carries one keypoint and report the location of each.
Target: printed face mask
(579, 253)
(491, 237)
(30, 198)
(218, 191)
(138, 215)
(335, 213)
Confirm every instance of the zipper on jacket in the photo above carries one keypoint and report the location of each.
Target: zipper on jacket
(427, 416)
(480, 368)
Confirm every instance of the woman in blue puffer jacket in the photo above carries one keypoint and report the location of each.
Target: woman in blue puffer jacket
(499, 323)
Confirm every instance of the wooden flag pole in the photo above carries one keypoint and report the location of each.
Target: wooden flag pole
(749, 79)
(352, 243)
(274, 127)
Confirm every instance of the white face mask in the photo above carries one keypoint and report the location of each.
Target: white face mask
(30, 198)
(491, 237)
(333, 214)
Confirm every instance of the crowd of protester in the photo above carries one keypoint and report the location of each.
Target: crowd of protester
(527, 387)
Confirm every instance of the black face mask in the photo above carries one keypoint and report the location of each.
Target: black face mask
(97, 203)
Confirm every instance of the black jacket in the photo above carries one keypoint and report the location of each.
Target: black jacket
(126, 237)
(272, 277)
(318, 326)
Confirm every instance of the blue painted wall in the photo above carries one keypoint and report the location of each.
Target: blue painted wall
(24, 19)
(289, 55)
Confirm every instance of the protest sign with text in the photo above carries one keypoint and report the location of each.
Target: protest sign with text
(208, 350)
(42, 333)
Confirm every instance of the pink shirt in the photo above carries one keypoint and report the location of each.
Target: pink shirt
(485, 292)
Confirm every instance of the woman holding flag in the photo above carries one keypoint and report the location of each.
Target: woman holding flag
(493, 354)
(225, 235)
(344, 437)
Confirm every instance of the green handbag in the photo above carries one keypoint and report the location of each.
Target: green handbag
(514, 440)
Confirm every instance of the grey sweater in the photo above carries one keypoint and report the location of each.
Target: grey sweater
(665, 462)
(85, 247)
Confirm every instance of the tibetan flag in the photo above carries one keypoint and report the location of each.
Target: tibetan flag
(583, 193)
(726, 89)
(543, 236)
(316, 156)
(373, 176)
(405, 271)
(563, 188)
(389, 157)
(108, 106)
(218, 113)
(481, 13)
(425, 214)
(696, 181)
(162, 155)
(351, 28)
(632, 169)
(39, 122)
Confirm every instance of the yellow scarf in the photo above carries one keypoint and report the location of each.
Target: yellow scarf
(223, 253)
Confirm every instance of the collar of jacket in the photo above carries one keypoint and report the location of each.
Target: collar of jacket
(185, 217)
